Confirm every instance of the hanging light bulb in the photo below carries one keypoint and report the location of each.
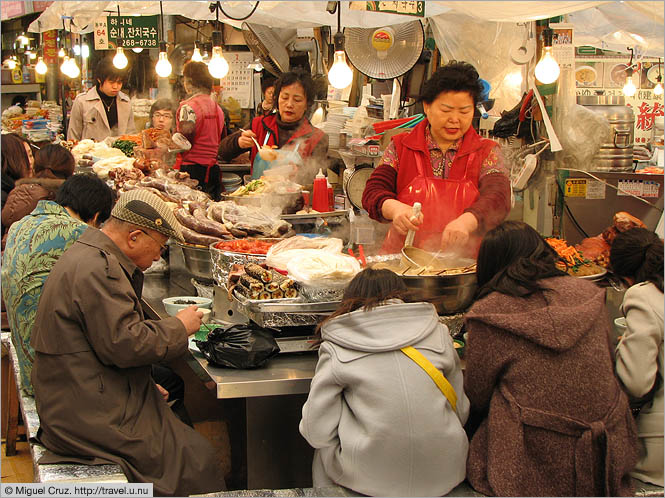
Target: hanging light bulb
(163, 66)
(218, 66)
(22, 39)
(137, 50)
(629, 88)
(340, 74)
(85, 51)
(120, 59)
(74, 70)
(196, 54)
(658, 89)
(11, 63)
(32, 55)
(547, 70)
(61, 52)
(40, 67)
(64, 67)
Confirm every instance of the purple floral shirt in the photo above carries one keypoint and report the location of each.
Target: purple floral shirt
(442, 162)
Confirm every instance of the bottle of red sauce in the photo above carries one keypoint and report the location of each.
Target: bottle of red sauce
(320, 193)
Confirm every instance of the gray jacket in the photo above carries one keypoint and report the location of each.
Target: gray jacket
(639, 358)
(379, 423)
(88, 118)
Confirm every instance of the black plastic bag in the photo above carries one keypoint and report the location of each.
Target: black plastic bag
(239, 346)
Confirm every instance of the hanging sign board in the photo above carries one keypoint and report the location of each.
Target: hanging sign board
(126, 31)
(50, 46)
(412, 8)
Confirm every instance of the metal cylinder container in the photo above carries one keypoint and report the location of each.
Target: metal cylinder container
(616, 152)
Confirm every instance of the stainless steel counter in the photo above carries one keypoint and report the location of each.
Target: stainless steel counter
(284, 374)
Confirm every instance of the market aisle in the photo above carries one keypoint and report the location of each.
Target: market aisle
(17, 468)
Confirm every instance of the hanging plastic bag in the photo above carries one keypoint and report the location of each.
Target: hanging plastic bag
(239, 346)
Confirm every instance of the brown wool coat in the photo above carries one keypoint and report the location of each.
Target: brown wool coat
(94, 392)
(542, 369)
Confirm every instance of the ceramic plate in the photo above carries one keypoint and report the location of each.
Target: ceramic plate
(586, 75)
(595, 276)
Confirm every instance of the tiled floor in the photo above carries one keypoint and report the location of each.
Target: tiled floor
(17, 468)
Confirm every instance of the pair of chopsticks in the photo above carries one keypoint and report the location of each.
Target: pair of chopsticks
(361, 255)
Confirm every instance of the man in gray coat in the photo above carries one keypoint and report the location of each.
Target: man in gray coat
(95, 396)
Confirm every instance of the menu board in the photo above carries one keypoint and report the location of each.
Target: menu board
(237, 84)
(130, 31)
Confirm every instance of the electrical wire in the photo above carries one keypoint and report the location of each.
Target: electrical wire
(219, 6)
(570, 213)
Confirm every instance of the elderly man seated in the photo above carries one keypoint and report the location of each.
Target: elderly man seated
(93, 346)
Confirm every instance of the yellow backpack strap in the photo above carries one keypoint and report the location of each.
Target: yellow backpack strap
(436, 375)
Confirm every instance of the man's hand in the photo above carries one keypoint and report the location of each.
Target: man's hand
(401, 214)
(457, 232)
(245, 139)
(190, 318)
(163, 392)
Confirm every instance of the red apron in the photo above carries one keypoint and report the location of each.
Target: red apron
(443, 200)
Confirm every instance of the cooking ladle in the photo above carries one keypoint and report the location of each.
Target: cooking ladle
(408, 241)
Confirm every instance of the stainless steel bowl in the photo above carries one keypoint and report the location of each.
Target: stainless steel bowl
(450, 294)
(198, 262)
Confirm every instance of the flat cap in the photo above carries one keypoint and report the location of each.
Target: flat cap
(145, 209)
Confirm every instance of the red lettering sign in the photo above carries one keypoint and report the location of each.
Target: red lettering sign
(50, 46)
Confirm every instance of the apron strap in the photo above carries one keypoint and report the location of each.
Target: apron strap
(436, 375)
(419, 165)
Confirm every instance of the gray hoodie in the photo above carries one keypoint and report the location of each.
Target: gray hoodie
(378, 421)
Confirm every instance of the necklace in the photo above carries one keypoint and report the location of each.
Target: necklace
(108, 107)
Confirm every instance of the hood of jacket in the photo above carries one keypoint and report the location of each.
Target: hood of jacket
(48, 183)
(556, 318)
(388, 327)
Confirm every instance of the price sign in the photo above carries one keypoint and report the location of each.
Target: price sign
(409, 8)
(127, 32)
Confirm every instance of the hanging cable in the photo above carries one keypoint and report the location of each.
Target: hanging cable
(219, 6)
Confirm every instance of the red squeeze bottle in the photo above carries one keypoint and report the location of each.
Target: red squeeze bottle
(320, 193)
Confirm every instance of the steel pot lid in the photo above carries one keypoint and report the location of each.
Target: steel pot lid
(601, 100)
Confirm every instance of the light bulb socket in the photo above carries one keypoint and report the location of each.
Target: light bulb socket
(629, 73)
(162, 46)
(548, 35)
(338, 41)
(659, 78)
(216, 38)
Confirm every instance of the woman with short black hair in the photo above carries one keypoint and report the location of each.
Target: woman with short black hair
(103, 111)
(637, 257)
(458, 177)
(553, 419)
(201, 121)
(288, 128)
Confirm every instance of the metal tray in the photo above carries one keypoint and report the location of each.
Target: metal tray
(293, 313)
(314, 216)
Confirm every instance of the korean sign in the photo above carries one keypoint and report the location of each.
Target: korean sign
(126, 31)
(409, 8)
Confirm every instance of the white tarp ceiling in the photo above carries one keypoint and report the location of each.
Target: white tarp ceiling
(606, 24)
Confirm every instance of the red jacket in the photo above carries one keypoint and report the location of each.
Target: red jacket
(264, 125)
(208, 133)
(407, 145)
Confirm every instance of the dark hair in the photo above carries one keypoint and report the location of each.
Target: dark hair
(86, 195)
(266, 83)
(513, 257)
(638, 254)
(296, 76)
(162, 105)
(15, 162)
(199, 74)
(105, 70)
(453, 77)
(368, 289)
(54, 161)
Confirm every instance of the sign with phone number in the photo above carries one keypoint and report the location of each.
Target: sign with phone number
(126, 31)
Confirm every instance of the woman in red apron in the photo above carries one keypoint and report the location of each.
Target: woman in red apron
(201, 121)
(294, 94)
(457, 176)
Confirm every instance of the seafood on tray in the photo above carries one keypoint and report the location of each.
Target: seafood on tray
(256, 282)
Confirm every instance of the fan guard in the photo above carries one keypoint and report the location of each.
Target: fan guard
(258, 37)
(408, 40)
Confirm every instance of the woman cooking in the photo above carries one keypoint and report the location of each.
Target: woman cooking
(288, 128)
(457, 176)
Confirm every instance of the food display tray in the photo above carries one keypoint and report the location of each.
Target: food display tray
(292, 312)
(314, 216)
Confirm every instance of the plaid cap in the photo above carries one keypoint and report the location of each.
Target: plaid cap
(145, 209)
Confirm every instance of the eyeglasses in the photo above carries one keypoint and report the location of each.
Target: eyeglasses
(163, 115)
(162, 246)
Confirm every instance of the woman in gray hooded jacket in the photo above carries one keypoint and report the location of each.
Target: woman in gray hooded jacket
(380, 424)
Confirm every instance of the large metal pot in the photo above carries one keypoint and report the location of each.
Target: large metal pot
(198, 262)
(450, 294)
(616, 152)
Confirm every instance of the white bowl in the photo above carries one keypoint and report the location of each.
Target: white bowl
(206, 315)
(175, 304)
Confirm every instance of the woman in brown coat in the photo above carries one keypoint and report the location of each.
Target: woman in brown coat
(53, 165)
(539, 371)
